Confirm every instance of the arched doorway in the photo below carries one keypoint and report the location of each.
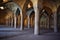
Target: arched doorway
(16, 11)
(44, 20)
(32, 19)
(28, 8)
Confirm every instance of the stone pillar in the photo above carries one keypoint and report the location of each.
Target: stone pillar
(49, 22)
(6, 22)
(48, 25)
(14, 21)
(21, 27)
(55, 21)
(11, 22)
(28, 22)
(31, 21)
(36, 28)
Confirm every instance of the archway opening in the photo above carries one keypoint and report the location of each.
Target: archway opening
(28, 8)
(32, 19)
(46, 20)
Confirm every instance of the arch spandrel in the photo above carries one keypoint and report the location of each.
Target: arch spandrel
(20, 2)
(25, 7)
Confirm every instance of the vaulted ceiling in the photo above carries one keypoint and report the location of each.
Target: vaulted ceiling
(52, 4)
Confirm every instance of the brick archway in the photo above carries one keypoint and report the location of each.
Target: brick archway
(46, 12)
(26, 11)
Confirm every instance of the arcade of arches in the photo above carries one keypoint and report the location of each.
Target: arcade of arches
(36, 14)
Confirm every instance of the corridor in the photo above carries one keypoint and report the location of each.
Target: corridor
(29, 19)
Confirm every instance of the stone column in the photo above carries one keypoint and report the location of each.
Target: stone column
(28, 22)
(11, 22)
(55, 21)
(48, 25)
(50, 22)
(36, 28)
(31, 21)
(6, 22)
(14, 21)
(21, 27)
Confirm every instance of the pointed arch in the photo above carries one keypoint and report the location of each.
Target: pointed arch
(46, 14)
(25, 7)
(58, 9)
(13, 6)
(47, 10)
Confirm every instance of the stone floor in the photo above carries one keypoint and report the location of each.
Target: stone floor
(26, 34)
